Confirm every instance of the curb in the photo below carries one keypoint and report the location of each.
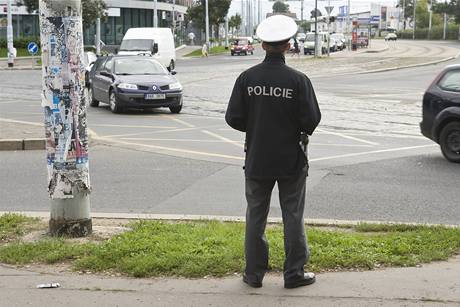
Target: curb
(22, 144)
(221, 218)
(376, 50)
(181, 47)
(20, 68)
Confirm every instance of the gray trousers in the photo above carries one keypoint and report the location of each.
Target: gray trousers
(292, 199)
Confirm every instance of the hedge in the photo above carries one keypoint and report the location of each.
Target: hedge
(21, 42)
(436, 33)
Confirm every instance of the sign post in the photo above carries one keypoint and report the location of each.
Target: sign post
(32, 47)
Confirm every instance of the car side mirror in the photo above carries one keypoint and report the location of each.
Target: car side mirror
(107, 74)
(155, 48)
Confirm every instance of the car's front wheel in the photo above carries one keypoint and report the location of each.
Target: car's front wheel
(175, 109)
(449, 140)
(113, 103)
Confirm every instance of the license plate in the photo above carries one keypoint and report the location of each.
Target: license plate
(154, 96)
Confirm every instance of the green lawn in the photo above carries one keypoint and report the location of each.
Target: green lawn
(214, 50)
(20, 53)
(197, 249)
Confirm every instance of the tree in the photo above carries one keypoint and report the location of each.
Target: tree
(408, 8)
(234, 22)
(305, 26)
(455, 10)
(313, 14)
(280, 7)
(92, 9)
(218, 9)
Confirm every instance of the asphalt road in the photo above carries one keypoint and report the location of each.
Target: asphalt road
(368, 158)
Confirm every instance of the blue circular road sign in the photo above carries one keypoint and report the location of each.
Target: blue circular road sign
(32, 48)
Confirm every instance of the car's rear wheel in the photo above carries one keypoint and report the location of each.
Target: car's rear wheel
(114, 105)
(449, 140)
(92, 102)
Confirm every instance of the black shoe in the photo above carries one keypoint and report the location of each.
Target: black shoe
(308, 279)
(254, 284)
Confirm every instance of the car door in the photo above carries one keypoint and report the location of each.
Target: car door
(96, 78)
(104, 81)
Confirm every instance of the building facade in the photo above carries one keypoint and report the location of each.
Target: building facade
(122, 15)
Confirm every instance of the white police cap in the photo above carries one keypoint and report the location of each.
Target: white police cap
(276, 28)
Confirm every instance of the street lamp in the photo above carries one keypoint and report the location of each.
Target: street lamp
(207, 22)
(155, 14)
(415, 24)
(430, 10)
(9, 34)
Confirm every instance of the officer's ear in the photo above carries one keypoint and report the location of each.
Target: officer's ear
(287, 47)
(265, 46)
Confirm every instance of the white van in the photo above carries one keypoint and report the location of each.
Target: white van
(157, 42)
(309, 44)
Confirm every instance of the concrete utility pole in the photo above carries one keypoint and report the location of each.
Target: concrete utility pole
(155, 14)
(316, 30)
(207, 23)
(226, 32)
(430, 10)
(415, 24)
(444, 31)
(348, 26)
(98, 36)
(404, 14)
(9, 36)
(174, 18)
(64, 102)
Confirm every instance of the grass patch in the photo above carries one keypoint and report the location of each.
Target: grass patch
(214, 50)
(197, 249)
(21, 52)
(12, 226)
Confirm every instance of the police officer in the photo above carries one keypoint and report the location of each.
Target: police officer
(274, 105)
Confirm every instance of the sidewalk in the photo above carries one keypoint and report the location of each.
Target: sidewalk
(435, 284)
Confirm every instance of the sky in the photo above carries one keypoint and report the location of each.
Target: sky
(294, 6)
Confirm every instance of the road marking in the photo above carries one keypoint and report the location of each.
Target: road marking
(339, 145)
(371, 152)
(236, 143)
(348, 137)
(158, 132)
(176, 140)
(199, 153)
(20, 122)
(178, 120)
(134, 126)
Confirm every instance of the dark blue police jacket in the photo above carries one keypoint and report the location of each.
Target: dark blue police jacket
(273, 104)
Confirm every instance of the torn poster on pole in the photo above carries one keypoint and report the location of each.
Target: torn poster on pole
(64, 100)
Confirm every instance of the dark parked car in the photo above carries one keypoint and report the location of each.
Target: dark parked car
(441, 112)
(133, 82)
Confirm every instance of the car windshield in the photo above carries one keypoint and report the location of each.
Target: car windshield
(310, 37)
(138, 67)
(136, 45)
(241, 42)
